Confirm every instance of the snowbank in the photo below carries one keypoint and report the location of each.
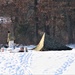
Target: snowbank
(36, 62)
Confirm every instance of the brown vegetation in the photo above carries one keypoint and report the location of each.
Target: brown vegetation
(29, 17)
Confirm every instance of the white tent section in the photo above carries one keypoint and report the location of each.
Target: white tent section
(36, 62)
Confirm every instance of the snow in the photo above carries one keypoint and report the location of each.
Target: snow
(71, 45)
(5, 19)
(38, 62)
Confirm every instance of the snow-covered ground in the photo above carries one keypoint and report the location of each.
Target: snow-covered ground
(38, 63)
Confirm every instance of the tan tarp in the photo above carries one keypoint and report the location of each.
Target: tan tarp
(41, 44)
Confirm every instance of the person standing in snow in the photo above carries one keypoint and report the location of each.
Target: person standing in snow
(10, 40)
(8, 37)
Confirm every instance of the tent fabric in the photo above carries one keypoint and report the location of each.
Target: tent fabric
(41, 44)
(53, 44)
(49, 44)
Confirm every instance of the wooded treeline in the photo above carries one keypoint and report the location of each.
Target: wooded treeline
(31, 17)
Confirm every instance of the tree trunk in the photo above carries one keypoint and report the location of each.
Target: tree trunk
(70, 31)
(70, 28)
(36, 20)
